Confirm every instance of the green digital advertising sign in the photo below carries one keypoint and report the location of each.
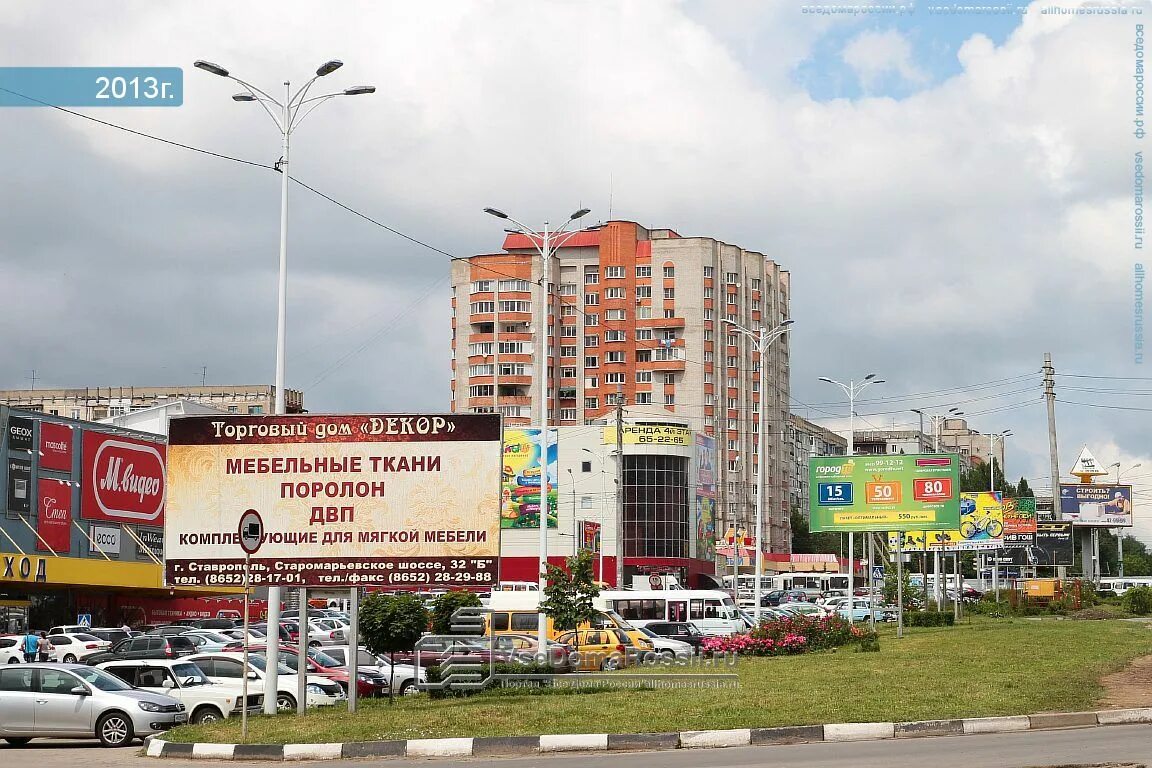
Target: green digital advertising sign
(919, 492)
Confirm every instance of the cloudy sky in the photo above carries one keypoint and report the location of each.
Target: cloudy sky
(952, 194)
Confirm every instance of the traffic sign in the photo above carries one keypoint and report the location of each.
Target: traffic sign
(84, 619)
(251, 531)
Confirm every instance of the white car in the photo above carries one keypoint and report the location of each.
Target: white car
(667, 647)
(224, 667)
(68, 629)
(205, 700)
(73, 647)
(12, 649)
(325, 632)
(402, 676)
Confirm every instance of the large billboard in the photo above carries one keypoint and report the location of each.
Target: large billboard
(650, 434)
(54, 516)
(520, 479)
(123, 479)
(981, 525)
(392, 500)
(884, 493)
(1109, 506)
(55, 446)
(705, 497)
(1019, 523)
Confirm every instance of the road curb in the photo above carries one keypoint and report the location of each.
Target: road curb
(600, 742)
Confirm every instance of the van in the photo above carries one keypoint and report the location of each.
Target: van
(518, 613)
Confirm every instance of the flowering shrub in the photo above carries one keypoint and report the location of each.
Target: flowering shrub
(791, 635)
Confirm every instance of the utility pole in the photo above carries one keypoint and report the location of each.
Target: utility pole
(1050, 398)
(619, 486)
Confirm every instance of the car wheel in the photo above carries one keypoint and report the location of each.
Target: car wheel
(205, 715)
(609, 664)
(285, 702)
(314, 644)
(114, 729)
(18, 741)
(13, 660)
(668, 655)
(69, 658)
(408, 689)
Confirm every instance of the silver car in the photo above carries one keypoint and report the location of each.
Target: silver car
(70, 701)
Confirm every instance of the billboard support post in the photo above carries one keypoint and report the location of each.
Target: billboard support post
(871, 585)
(302, 658)
(899, 586)
(353, 645)
(244, 666)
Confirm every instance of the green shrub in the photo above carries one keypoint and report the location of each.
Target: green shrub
(1137, 601)
(931, 619)
(444, 606)
(501, 668)
(868, 642)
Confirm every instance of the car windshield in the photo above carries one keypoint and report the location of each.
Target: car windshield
(620, 620)
(215, 637)
(261, 663)
(86, 638)
(189, 675)
(100, 679)
(323, 659)
(649, 632)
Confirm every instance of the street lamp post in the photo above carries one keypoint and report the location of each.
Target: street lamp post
(545, 242)
(852, 389)
(992, 437)
(762, 338)
(1120, 531)
(287, 115)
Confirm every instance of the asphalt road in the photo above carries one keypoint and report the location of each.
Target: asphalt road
(1084, 746)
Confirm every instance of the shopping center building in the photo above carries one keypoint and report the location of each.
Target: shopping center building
(82, 530)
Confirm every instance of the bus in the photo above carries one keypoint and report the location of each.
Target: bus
(1121, 584)
(712, 611)
(812, 580)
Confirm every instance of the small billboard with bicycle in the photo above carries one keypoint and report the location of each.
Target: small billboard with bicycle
(981, 525)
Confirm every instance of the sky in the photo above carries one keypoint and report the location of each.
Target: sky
(951, 192)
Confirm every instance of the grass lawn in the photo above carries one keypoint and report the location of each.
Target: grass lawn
(987, 667)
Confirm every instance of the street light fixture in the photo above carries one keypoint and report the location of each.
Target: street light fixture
(545, 242)
(287, 115)
(762, 338)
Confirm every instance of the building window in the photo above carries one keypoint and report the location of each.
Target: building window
(513, 369)
(483, 307)
(591, 361)
(614, 357)
(591, 320)
(709, 357)
(613, 378)
(669, 399)
(707, 271)
(708, 378)
(567, 414)
(656, 520)
(614, 272)
(614, 336)
(568, 351)
(253, 409)
(643, 271)
(670, 272)
(709, 399)
(613, 293)
(708, 315)
(567, 310)
(591, 382)
(591, 278)
(591, 299)
(709, 421)
(481, 370)
(478, 390)
(755, 283)
(644, 334)
(732, 361)
(643, 398)
(732, 403)
(481, 286)
(668, 335)
(567, 289)
(231, 409)
(669, 378)
(510, 348)
(733, 424)
(643, 313)
(568, 371)
(515, 285)
(643, 355)
(755, 305)
(614, 314)
(731, 278)
(591, 403)
(709, 293)
(669, 314)
(585, 466)
(669, 293)
(516, 306)
(568, 331)
(643, 291)
(643, 377)
(591, 341)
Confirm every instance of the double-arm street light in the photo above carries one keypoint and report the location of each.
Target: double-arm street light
(761, 338)
(545, 242)
(852, 389)
(1120, 531)
(287, 115)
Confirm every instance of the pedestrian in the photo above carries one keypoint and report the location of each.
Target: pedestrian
(31, 643)
(43, 646)
(126, 628)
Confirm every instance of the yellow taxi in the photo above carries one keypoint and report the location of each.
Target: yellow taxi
(599, 649)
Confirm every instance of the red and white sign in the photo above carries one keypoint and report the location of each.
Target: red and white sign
(932, 488)
(54, 518)
(123, 479)
(55, 446)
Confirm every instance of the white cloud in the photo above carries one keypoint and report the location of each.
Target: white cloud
(874, 55)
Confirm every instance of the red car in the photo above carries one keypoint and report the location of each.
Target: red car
(319, 663)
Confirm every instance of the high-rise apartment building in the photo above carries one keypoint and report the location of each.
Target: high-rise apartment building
(96, 403)
(640, 312)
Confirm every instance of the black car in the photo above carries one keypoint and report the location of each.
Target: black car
(111, 635)
(215, 624)
(170, 630)
(772, 599)
(145, 647)
(683, 631)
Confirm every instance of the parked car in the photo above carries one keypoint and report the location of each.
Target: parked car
(806, 609)
(74, 701)
(525, 649)
(145, 647)
(599, 649)
(205, 700)
(325, 632)
(227, 668)
(440, 649)
(169, 630)
(863, 609)
(112, 634)
(207, 640)
(67, 628)
(798, 596)
(322, 665)
(254, 635)
(12, 649)
(71, 648)
(285, 635)
(402, 676)
(217, 623)
(667, 647)
(681, 631)
(772, 598)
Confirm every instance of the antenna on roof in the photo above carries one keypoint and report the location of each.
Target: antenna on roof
(611, 189)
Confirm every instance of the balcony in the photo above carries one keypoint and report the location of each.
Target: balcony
(661, 322)
(667, 365)
(514, 400)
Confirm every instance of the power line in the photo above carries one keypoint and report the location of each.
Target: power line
(1101, 405)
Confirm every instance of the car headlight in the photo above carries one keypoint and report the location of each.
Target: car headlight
(313, 688)
(363, 678)
(148, 706)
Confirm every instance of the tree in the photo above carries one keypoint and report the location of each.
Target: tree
(568, 595)
(390, 624)
(975, 479)
(446, 605)
(806, 542)
(1023, 490)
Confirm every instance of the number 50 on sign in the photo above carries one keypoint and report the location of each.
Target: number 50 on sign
(883, 492)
